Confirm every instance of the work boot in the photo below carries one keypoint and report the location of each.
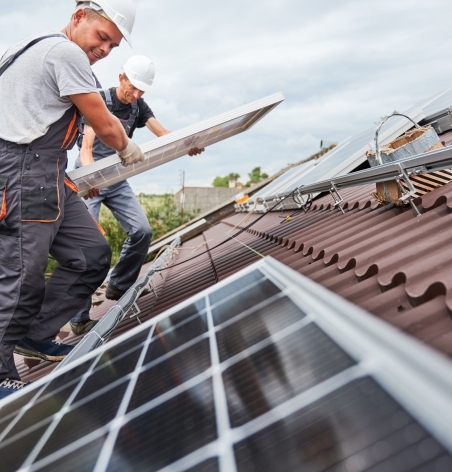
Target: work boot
(113, 293)
(7, 387)
(48, 351)
(83, 327)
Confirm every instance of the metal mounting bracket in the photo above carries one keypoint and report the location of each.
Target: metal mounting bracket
(102, 340)
(408, 195)
(259, 201)
(417, 170)
(135, 311)
(280, 200)
(300, 200)
(152, 288)
(336, 197)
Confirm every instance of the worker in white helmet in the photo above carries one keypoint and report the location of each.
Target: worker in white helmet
(127, 104)
(45, 82)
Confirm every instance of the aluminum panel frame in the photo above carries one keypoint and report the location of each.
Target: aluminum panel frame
(108, 171)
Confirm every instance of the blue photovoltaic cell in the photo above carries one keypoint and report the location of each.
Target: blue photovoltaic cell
(358, 427)
(242, 374)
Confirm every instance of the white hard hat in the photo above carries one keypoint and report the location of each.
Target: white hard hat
(140, 71)
(120, 12)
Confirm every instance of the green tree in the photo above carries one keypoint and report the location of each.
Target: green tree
(161, 212)
(224, 181)
(256, 176)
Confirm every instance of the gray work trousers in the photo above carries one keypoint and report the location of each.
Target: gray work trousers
(123, 203)
(42, 215)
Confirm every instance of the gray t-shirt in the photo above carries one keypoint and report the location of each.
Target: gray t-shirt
(35, 89)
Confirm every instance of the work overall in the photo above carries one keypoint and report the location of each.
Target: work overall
(41, 214)
(122, 202)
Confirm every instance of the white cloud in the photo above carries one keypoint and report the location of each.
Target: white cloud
(341, 65)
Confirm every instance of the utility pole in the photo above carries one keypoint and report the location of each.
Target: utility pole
(182, 198)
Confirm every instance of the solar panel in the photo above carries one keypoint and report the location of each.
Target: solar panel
(285, 180)
(109, 171)
(352, 152)
(264, 371)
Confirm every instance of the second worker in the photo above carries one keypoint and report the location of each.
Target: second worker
(126, 103)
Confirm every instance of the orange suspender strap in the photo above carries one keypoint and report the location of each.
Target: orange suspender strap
(70, 131)
(3, 209)
(71, 185)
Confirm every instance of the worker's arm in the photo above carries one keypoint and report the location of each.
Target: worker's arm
(86, 151)
(154, 126)
(106, 126)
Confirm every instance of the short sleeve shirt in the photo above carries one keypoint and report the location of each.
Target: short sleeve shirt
(123, 111)
(35, 90)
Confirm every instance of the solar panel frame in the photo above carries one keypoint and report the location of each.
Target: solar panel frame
(109, 170)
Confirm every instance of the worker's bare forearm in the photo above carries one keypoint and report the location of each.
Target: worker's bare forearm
(156, 127)
(86, 151)
(86, 157)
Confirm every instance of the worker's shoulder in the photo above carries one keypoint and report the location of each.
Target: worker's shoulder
(61, 47)
(142, 105)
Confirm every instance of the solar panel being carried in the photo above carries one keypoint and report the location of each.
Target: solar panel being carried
(264, 371)
(109, 171)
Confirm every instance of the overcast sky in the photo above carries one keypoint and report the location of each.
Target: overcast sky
(341, 65)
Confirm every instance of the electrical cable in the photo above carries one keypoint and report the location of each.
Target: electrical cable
(305, 208)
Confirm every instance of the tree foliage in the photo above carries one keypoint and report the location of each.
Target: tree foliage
(256, 176)
(224, 181)
(161, 212)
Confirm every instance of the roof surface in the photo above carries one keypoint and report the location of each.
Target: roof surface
(384, 259)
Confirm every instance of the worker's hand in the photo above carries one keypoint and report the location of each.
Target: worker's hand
(195, 151)
(93, 192)
(132, 154)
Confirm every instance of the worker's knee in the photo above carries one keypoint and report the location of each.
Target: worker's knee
(98, 261)
(142, 234)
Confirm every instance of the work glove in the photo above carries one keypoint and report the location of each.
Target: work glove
(131, 154)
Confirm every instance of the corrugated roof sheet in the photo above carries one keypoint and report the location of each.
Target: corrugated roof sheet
(386, 260)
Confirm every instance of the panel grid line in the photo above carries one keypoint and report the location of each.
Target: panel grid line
(273, 338)
(27, 407)
(109, 444)
(56, 420)
(302, 400)
(256, 307)
(70, 448)
(239, 292)
(227, 461)
(76, 405)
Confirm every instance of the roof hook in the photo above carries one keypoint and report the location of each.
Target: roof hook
(336, 197)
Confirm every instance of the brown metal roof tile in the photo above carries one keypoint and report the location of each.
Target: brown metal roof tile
(384, 259)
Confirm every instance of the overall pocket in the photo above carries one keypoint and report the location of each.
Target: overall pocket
(40, 194)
